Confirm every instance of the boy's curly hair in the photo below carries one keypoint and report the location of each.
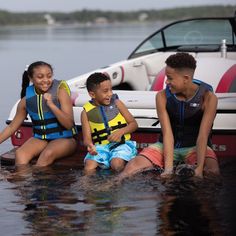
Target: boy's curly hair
(94, 80)
(181, 60)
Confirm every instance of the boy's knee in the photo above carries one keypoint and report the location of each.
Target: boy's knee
(117, 164)
(213, 171)
(90, 165)
(212, 166)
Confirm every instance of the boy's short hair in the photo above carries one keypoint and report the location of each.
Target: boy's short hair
(94, 80)
(181, 60)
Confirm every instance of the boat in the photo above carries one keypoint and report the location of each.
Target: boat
(137, 79)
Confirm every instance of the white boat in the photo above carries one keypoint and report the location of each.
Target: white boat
(212, 41)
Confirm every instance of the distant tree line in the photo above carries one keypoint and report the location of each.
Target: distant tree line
(85, 16)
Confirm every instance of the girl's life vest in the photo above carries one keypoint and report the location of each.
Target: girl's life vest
(104, 120)
(45, 124)
(185, 116)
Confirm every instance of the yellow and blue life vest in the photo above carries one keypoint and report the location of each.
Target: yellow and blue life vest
(185, 116)
(45, 124)
(104, 120)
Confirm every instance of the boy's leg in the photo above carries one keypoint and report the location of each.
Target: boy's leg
(211, 166)
(117, 164)
(90, 166)
(122, 154)
(100, 160)
(147, 159)
(211, 163)
(136, 165)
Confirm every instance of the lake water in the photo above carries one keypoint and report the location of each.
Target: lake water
(71, 50)
(57, 200)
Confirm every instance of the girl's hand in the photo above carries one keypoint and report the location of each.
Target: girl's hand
(92, 149)
(48, 98)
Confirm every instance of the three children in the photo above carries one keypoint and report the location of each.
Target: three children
(107, 124)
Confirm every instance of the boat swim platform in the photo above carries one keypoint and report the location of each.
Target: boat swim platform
(73, 161)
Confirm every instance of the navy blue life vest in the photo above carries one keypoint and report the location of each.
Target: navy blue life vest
(185, 116)
(45, 124)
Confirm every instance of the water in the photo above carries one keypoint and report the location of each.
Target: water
(57, 200)
(71, 50)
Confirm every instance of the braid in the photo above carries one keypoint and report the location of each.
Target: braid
(25, 83)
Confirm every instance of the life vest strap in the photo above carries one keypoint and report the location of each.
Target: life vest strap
(118, 144)
(48, 131)
(100, 139)
(102, 131)
(98, 132)
(44, 122)
(118, 126)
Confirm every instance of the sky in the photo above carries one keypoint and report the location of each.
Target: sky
(114, 5)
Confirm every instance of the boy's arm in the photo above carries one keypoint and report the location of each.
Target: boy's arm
(87, 137)
(209, 106)
(168, 139)
(131, 123)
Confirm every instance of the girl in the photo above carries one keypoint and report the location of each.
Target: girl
(48, 103)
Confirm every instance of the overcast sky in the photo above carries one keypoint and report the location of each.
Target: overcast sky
(123, 5)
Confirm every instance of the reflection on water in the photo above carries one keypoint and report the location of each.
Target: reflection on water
(61, 201)
(74, 33)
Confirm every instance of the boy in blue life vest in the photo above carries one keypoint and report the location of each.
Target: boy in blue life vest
(48, 103)
(106, 126)
(186, 110)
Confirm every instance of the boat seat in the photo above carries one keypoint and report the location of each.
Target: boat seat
(227, 83)
(159, 81)
(154, 64)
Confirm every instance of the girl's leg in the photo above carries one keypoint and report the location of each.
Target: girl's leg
(30, 149)
(56, 149)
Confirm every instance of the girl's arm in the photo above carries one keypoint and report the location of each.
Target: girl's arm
(209, 106)
(16, 122)
(168, 139)
(131, 123)
(64, 114)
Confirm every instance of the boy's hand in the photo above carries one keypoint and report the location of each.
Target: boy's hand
(198, 172)
(115, 136)
(92, 149)
(167, 173)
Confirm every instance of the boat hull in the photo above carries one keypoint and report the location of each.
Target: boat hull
(223, 143)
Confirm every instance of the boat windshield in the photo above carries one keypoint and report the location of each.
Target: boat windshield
(189, 35)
